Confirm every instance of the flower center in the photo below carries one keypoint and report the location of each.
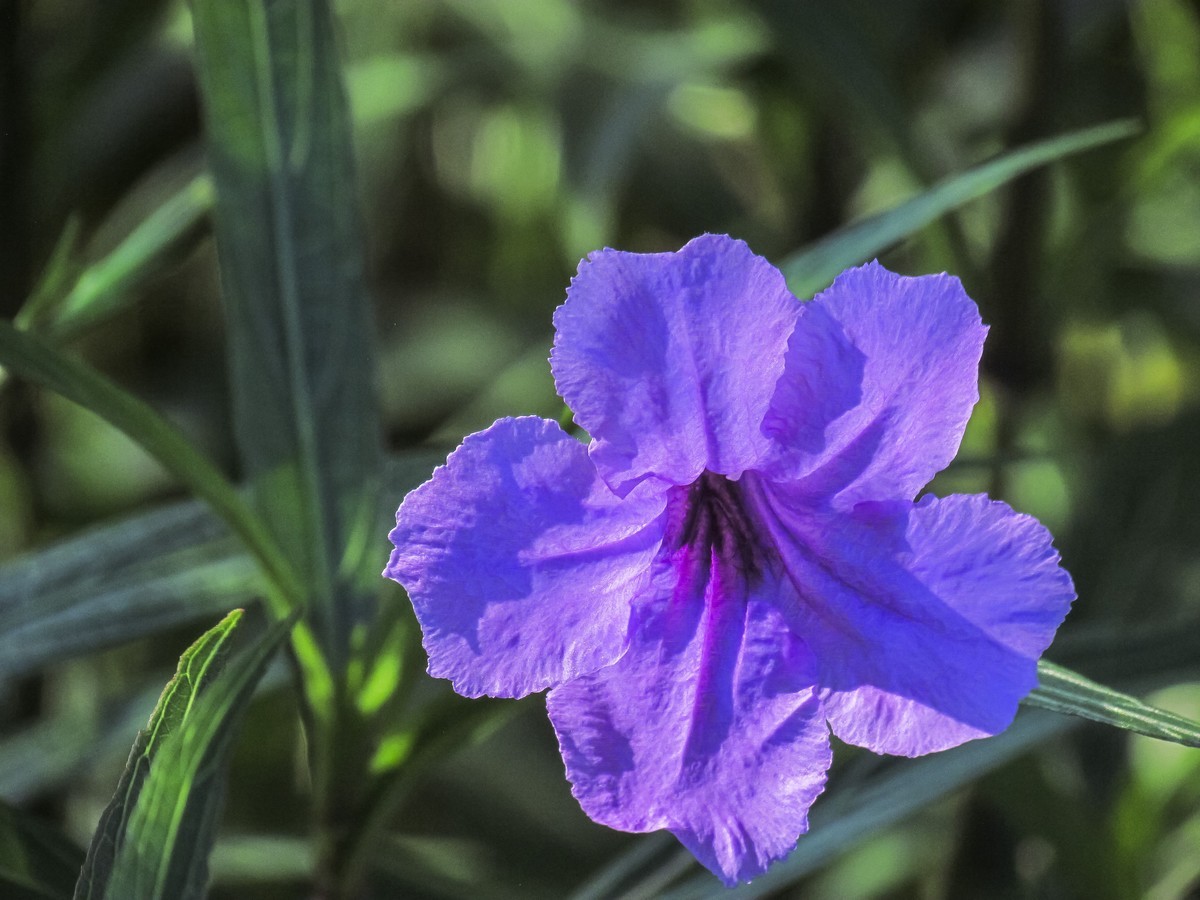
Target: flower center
(717, 523)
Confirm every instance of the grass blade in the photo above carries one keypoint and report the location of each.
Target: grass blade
(154, 838)
(286, 222)
(814, 268)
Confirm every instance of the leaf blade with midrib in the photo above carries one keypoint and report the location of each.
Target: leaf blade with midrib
(286, 223)
(154, 837)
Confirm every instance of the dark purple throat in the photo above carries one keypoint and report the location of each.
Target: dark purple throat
(716, 523)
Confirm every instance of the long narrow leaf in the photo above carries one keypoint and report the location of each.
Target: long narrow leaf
(154, 838)
(1063, 691)
(31, 357)
(162, 738)
(102, 608)
(288, 239)
(256, 858)
(155, 571)
(105, 286)
(813, 268)
(55, 279)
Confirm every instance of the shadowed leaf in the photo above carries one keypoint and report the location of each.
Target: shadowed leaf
(149, 573)
(814, 268)
(31, 357)
(290, 249)
(36, 861)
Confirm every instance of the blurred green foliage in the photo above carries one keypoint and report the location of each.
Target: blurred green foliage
(498, 141)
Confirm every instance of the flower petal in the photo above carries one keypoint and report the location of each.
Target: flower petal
(708, 726)
(908, 350)
(669, 360)
(520, 562)
(926, 620)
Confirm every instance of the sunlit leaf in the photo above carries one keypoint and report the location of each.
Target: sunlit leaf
(154, 837)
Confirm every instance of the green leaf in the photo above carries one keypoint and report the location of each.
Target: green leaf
(152, 572)
(1063, 691)
(54, 281)
(814, 268)
(425, 740)
(154, 837)
(158, 571)
(289, 243)
(111, 282)
(31, 357)
(37, 862)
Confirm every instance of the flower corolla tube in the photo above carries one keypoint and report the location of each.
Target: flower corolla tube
(734, 566)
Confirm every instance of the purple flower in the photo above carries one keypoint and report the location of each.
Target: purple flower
(735, 564)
